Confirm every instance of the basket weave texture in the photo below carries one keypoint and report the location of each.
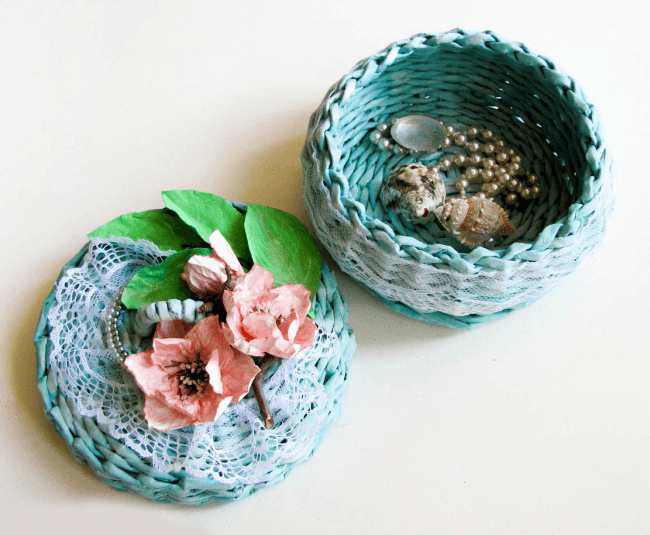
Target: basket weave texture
(119, 466)
(462, 79)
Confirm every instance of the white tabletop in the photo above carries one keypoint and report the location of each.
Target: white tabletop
(536, 423)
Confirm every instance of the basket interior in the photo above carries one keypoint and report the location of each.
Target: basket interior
(526, 104)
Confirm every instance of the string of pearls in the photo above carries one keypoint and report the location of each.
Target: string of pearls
(485, 159)
(112, 320)
(382, 138)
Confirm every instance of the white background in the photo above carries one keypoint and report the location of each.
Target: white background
(537, 423)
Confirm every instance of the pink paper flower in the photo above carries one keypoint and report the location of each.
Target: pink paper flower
(190, 380)
(263, 319)
(207, 275)
(172, 329)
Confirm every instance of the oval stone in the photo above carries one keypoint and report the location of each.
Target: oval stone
(419, 133)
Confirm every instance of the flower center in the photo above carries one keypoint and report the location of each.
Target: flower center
(192, 378)
(262, 309)
(267, 310)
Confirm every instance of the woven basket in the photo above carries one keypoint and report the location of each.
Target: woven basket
(119, 466)
(462, 79)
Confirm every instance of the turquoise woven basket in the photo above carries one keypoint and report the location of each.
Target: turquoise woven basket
(124, 469)
(461, 79)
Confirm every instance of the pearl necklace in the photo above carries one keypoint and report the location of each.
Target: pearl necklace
(484, 158)
(113, 336)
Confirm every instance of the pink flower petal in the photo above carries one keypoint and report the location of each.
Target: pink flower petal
(150, 378)
(172, 329)
(257, 282)
(222, 250)
(206, 337)
(305, 336)
(259, 325)
(289, 327)
(239, 343)
(205, 276)
(290, 297)
(167, 351)
(213, 367)
(237, 372)
(240, 373)
(277, 347)
(163, 416)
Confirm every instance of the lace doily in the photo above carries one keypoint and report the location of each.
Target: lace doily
(236, 449)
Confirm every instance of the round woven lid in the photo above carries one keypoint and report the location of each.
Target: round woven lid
(91, 437)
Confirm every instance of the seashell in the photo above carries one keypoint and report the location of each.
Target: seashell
(474, 220)
(414, 191)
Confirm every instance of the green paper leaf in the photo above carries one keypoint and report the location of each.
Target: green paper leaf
(161, 281)
(164, 230)
(206, 213)
(281, 244)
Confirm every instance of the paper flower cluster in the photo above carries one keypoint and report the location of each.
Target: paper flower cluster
(191, 376)
(193, 372)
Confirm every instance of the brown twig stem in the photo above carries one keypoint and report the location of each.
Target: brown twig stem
(266, 363)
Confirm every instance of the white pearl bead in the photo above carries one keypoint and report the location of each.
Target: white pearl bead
(473, 131)
(503, 178)
(513, 168)
(384, 127)
(513, 184)
(490, 188)
(450, 129)
(511, 198)
(501, 171)
(516, 159)
(499, 144)
(462, 185)
(488, 148)
(474, 146)
(489, 163)
(487, 175)
(460, 159)
(471, 172)
(460, 140)
(446, 142)
(375, 136)
(475, 159)
(385, 144)
(445, 164)
(534, 192)
(525, 193)
(487, 135)
(532, 180)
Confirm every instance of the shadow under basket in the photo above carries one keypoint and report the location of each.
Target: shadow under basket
(462, 80)
(95, 405)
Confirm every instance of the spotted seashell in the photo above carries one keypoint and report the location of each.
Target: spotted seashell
(474, 220)
(414, 191)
